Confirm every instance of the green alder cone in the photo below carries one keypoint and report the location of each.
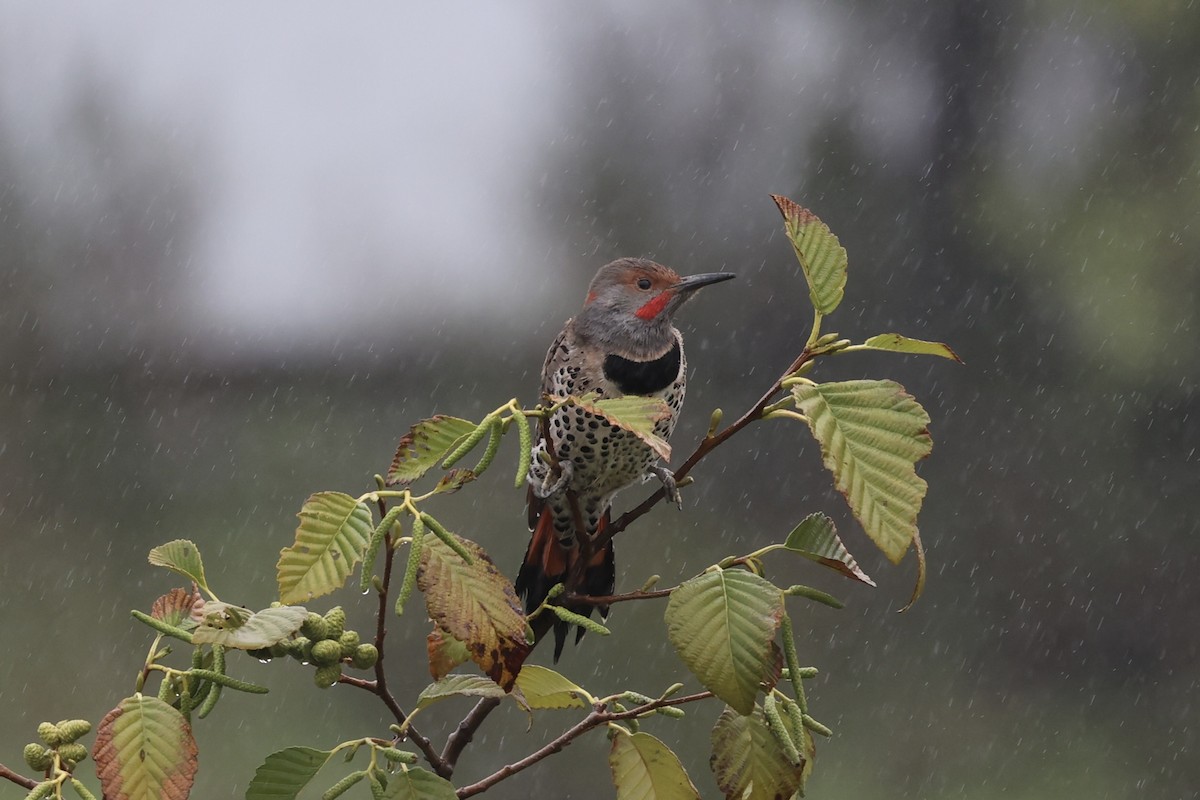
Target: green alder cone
(74, 729)
(49, 733)
(335, 623)
(72, 752)
(365, 656)
(326, 653)
(38, 757)
(327, 676)
(349, 641)
(314, 627)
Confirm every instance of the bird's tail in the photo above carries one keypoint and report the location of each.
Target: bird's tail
(547, 562)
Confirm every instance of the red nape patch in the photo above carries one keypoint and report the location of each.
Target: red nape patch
(591, 296)
(654, 307)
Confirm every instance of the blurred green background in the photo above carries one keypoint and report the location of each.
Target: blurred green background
(240, 256)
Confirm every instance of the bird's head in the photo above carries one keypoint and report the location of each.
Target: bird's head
(630, 304)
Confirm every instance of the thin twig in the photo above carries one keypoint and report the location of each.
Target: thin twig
(465, 731)
(608, 600)
(706, 446)
(599, 716)
(379, 686)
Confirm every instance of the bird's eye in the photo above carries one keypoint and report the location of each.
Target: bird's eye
(644, 283)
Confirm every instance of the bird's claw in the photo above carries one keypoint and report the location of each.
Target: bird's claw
(545, 487)
(669, 485)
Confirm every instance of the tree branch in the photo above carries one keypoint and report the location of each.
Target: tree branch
(599, 716)
(379, 686)
(608, 600)
(465, 731)
(19, 780)
(706, 446)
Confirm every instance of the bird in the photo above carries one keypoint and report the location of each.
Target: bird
(622, 343)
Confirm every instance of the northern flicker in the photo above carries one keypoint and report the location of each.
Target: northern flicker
(622, 343)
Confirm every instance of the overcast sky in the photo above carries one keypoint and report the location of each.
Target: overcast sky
(345, 159)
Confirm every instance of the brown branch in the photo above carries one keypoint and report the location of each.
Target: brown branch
(608, 600)
(19, 780)
(598, 717)
(379, 686)
(465, 731)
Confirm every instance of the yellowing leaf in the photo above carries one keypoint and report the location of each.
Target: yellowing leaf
(896, 343)
(545, 688)
(821, 255)
(144, 750)
(425, 444)
(643, 768)
(476, 604)
(332, 536)
(181, 556)
(262, 629)
(286, 772)
(749, 762)
(816, 538)
(723, 624)
(872, 434)
(633, 413)
(445, 652)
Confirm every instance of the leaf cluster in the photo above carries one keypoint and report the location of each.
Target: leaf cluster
(730, 625)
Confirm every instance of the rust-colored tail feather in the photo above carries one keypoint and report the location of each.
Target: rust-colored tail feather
(547, 563)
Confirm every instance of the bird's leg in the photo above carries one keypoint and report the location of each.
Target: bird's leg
(547, 486)
(668, 481)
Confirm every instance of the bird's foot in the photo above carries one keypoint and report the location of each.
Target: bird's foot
(668, 481)
(547, 487)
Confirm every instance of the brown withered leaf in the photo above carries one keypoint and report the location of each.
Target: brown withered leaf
(175, 606)
(454, 480)
(477, 605)
(144, 748)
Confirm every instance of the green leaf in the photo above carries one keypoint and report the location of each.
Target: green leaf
(425, 444)
(545, 688)
(333, 535)
(455, 685)
(262, 629)
(902, 344)
(476, 604)
(722, 624)
(286, 772)
(414, 783)
(181, 556)
(144, 750)
(643, 768)
(816, 538)
(633, 413)
(749, 762)
(872, 434)
(821, 255)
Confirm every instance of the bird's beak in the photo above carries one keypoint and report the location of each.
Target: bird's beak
(693, 282)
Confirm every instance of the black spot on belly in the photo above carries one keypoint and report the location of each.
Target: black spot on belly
(643, 377)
